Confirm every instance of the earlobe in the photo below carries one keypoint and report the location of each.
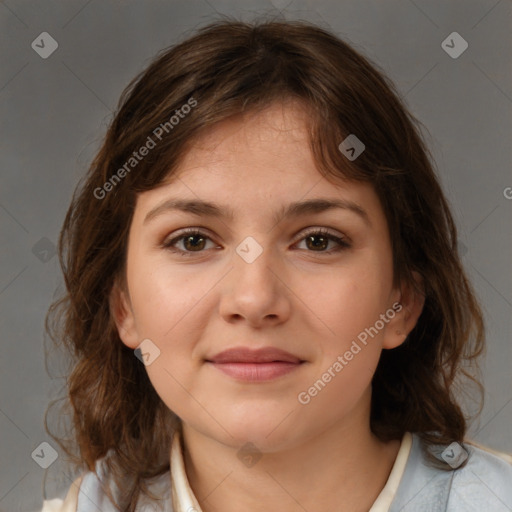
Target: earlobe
(412, 300)
(122, 314)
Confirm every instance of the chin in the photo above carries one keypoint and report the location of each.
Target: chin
(268, 431)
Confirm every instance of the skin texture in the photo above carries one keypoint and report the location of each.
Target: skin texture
(310, 302)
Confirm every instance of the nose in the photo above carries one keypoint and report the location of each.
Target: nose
(255, 291)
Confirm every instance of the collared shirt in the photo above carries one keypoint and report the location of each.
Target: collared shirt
(483, 484)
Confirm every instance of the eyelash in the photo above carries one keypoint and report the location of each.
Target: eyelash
(343, 244)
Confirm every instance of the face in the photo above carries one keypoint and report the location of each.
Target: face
(256, 275)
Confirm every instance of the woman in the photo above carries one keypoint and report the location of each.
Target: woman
(264, 294)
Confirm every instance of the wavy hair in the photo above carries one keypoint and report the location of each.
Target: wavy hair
(230, 67)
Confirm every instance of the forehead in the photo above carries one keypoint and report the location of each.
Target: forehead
(256, 162)
(260, 140)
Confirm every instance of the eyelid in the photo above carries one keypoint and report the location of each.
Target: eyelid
(320, 229)
(168, 242)
(342, 240)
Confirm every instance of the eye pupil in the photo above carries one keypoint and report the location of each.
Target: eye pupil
(194, 245)
(321, 245)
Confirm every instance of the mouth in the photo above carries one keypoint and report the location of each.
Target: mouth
(255, 365)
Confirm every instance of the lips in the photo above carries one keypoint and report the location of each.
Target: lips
(258, 365)
(262, 355)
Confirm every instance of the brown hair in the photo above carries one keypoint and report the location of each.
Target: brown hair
(227, 68)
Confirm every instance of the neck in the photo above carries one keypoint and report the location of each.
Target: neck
(344, 464)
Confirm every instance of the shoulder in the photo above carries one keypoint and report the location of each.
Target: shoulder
(70, 502)
(485, 482)
(469, 478)
(90, 489)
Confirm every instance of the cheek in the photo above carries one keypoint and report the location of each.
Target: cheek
(351, 301)
(165, 301)
(346, 367)
(169, 311)
(331, 401)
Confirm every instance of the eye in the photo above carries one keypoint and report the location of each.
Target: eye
(318, 240)
(194, 241)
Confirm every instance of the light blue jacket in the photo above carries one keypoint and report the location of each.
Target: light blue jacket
(482, 484)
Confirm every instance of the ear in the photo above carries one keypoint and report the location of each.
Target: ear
(122, 313)
(408, 308)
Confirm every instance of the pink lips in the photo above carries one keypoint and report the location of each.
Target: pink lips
(255, 365)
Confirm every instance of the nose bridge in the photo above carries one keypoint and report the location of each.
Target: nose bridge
(254, 290)
(253, 261)
(250, 250)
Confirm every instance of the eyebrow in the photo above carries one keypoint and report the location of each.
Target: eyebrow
(296, 209)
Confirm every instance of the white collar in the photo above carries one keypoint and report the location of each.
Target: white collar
(387, 495)
(184, 500)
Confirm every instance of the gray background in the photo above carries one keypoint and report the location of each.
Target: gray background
(55, 111)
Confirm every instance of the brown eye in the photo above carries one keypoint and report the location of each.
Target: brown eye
(194, 241)
(191, 241)
(318, 241)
